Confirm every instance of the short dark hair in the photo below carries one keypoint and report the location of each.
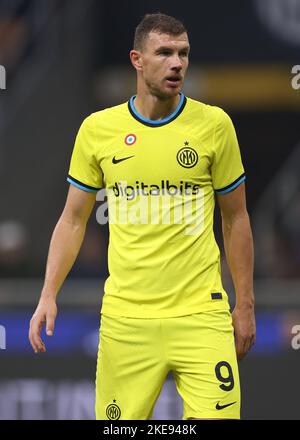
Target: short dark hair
(158, 22)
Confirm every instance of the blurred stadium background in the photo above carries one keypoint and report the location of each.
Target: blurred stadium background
(65, 59)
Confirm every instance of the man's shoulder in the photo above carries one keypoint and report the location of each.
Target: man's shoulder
(109, 113)
(105, 122)
(209, 111)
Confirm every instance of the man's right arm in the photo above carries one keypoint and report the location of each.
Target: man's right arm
(64, 247)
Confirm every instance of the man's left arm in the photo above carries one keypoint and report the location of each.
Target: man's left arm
(238, 244)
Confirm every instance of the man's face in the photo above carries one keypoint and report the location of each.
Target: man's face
(164, 60)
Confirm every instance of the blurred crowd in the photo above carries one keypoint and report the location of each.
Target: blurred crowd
(20, 22)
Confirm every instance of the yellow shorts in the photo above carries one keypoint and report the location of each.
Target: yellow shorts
(135, 356)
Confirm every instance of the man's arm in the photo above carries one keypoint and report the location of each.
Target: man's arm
(64, 247)
(238, 245)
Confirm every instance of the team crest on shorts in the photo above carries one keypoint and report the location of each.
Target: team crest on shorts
(113, 412)
(130, 139)
(187, 157)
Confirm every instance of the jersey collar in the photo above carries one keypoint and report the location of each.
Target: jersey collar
(150, 122)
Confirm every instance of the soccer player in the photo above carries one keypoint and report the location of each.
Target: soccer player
(163, 158)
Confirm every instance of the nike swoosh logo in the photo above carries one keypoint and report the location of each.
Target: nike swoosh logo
(120, 160)
(223, 406)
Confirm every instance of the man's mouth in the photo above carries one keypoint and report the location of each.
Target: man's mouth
(174, 79)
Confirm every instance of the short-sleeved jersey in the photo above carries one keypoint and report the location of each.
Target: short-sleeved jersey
(160, 179)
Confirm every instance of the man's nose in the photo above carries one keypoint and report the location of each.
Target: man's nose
(176, 62)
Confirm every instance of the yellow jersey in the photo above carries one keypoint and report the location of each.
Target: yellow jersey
(160, 178)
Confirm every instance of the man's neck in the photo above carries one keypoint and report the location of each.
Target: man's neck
(154, 108)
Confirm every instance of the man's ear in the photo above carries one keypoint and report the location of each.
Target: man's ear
(136, 59)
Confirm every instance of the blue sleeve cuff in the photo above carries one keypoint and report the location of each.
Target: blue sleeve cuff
(81, 185)
(232, 185)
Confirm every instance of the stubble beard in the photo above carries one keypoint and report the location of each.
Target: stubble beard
(159, 92)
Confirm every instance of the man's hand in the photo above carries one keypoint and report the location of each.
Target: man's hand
(243, 320)
(45, 313)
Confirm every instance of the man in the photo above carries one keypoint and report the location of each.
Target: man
(160, 156)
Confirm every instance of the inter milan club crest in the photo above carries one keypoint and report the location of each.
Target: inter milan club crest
(130, 139)
(187, 157)
(113, 412)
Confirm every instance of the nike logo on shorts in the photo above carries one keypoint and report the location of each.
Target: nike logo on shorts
(224, 406)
